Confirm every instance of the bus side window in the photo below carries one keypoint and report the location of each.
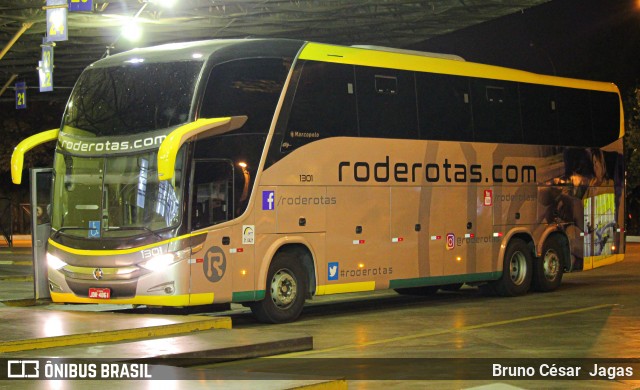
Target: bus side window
(539, 114)
(574, 117)
(386, 103)
(324, 105)
(444, 107)
(248, 87)
(213, 193)
(496, 111)
(495, 95)
(605, 111)
(386, 85)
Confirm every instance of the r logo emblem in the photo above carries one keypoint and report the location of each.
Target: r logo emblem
(215, 264)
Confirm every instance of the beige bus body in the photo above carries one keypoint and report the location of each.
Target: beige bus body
(361, 214)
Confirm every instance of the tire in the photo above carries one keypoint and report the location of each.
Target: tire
(516, 271)
(548, 269)
(418, 291)
(286, 290)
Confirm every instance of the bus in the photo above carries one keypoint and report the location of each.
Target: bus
(269, 171)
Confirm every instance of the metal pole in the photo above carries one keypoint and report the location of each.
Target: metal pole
(8, 83)
(25, 27)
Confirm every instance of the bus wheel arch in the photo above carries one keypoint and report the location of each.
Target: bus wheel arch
(304, 255)
(517, 267)
(290, 280)
(554, 258)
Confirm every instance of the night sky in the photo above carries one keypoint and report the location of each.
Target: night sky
(589, 39)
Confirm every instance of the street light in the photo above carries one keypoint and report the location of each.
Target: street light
(131, 30)
(163, 3)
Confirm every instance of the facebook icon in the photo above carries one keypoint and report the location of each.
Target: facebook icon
(268, 200)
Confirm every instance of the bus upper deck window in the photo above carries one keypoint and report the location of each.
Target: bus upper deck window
(386, 85)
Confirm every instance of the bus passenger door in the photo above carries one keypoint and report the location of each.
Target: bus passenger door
(222, 259)
(40, 182)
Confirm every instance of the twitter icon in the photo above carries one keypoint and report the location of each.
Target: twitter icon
(333, 271)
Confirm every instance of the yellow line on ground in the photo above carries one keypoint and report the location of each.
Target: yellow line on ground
(442, 332)
(17, 278)
(336, 384)
(16, 262)
(116, 335)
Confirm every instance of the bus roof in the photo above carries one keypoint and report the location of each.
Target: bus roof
(443, 64)
(373, 56)
(225, 48)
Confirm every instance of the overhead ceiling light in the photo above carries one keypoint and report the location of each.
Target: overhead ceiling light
(164, 3)
(132, 31)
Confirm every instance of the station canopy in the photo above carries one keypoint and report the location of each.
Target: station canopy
(97, 31)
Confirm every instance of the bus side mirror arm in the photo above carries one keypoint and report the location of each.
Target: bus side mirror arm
(203, 127)
(17, 157)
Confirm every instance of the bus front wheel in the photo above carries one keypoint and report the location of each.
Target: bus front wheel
(517, 269)
(285, 291)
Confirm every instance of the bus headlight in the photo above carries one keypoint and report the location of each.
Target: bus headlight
(160, 262)
(55, 262)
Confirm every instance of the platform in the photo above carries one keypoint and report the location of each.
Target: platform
(39, 332)
(154, 339)
(168, 341)
(25, 329)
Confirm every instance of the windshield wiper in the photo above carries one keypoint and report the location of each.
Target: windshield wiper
(119, 228)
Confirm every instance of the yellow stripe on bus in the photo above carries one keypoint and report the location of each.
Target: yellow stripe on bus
(592, 262)
(154, 300)
(345, 288)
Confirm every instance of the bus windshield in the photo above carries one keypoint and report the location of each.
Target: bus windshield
(133, 98)
(119, 196)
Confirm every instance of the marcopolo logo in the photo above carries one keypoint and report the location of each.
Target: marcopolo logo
(268, 200)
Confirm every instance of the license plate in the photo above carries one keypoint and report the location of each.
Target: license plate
(100, 293)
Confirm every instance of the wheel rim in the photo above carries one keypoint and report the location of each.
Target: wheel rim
(518, 268)
(551, 265)
(284, 288)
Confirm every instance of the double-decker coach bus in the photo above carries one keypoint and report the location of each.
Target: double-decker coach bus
(265, 172)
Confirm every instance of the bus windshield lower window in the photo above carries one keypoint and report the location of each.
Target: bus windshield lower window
(118, 196)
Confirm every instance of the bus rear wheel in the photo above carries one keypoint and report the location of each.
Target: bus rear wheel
(517, 269)
(285, 293)
(548, 269)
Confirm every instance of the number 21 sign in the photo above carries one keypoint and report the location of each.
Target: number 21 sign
(21, 95)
